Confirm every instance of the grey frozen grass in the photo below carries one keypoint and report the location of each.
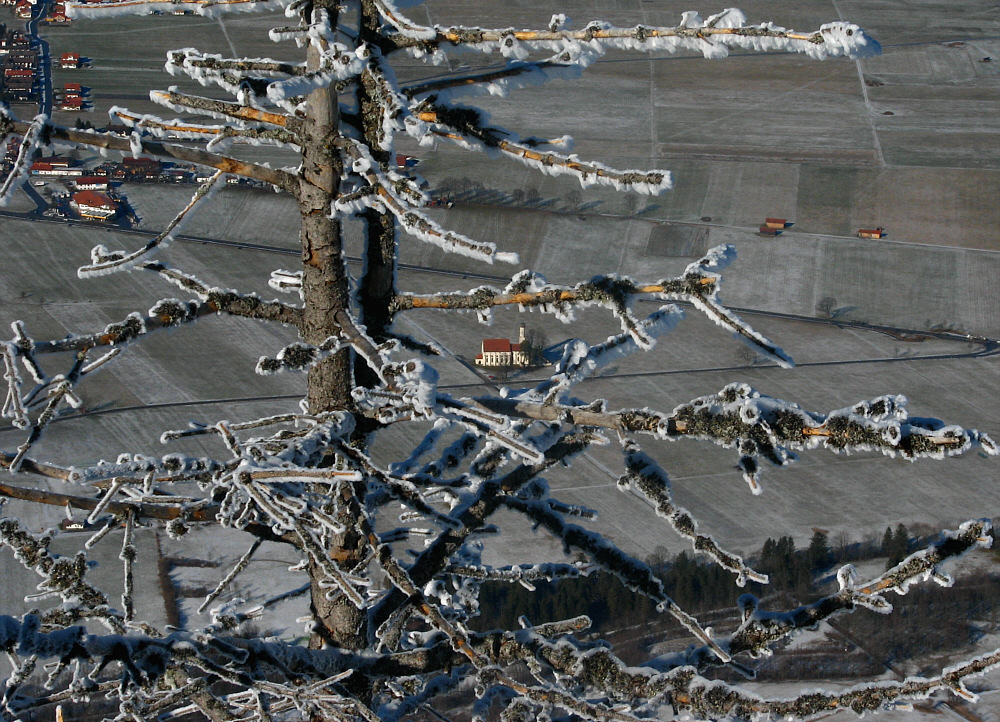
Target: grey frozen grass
(390, 553)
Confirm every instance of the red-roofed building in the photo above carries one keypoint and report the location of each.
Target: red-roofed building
(405, 161)
(91, 204)
(18, 73)
(501, 352)
(55, 166)
(70, 61)
(92, 183)
(142, 168)
(57, 161)
(23, 10)
(71, 103)
(58, 14)
(73, 88)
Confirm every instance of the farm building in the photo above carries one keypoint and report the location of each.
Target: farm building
(91, 183)
(91, 204)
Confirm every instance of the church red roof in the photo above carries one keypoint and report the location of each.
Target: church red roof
(500, 345)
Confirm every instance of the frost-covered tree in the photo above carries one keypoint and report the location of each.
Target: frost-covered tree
(391, 595)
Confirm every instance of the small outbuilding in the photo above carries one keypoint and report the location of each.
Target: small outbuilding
(872, 232)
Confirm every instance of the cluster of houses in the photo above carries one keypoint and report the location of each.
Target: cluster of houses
(24, 9)
(18, 67)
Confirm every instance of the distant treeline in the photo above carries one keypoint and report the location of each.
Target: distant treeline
(695, 584)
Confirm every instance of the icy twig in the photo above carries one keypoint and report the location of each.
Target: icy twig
(762, 427)
(31, 139)
(103, 265)
(13, 409)
(465, 126)
(712, 37)
(128, 555)
(650, 480)
(170, 129)
(90, 139)
(633, 573)
(549, 295)
(60, 391)
(219, 108)
(412, 220)
(233, 573)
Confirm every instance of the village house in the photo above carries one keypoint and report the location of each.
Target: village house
(19, 89)
(142, 168)
(91, 204)
(501, 352)
(14, 40)
(91, 183)
(25, 59)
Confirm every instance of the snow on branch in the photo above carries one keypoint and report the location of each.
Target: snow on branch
(649, 479)
(105, 263)
(386, 196)
(761, 427)
(205, 8)
(712, 37)
(31, 140)
(634, 574)
(267, 79)
(466, 126)
(226, 110)
(93, 139)
(61, 576)
(169, 313)
(179, 129)
(13, 407)
(60, 390)
(761, 629)
(531, 291)
(392, 15)
(699, 285)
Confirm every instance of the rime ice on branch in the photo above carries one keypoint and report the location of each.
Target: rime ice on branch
(391, 549)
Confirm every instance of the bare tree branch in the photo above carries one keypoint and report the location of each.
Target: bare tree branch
(275, 177)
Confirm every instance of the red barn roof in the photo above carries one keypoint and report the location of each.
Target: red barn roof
(92, 180)
(140, 163)
(93, 199)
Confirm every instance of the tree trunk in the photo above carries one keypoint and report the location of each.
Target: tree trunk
(377, 284)
(326, 292)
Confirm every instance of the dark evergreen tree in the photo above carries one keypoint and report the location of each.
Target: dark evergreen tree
(819, 552)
